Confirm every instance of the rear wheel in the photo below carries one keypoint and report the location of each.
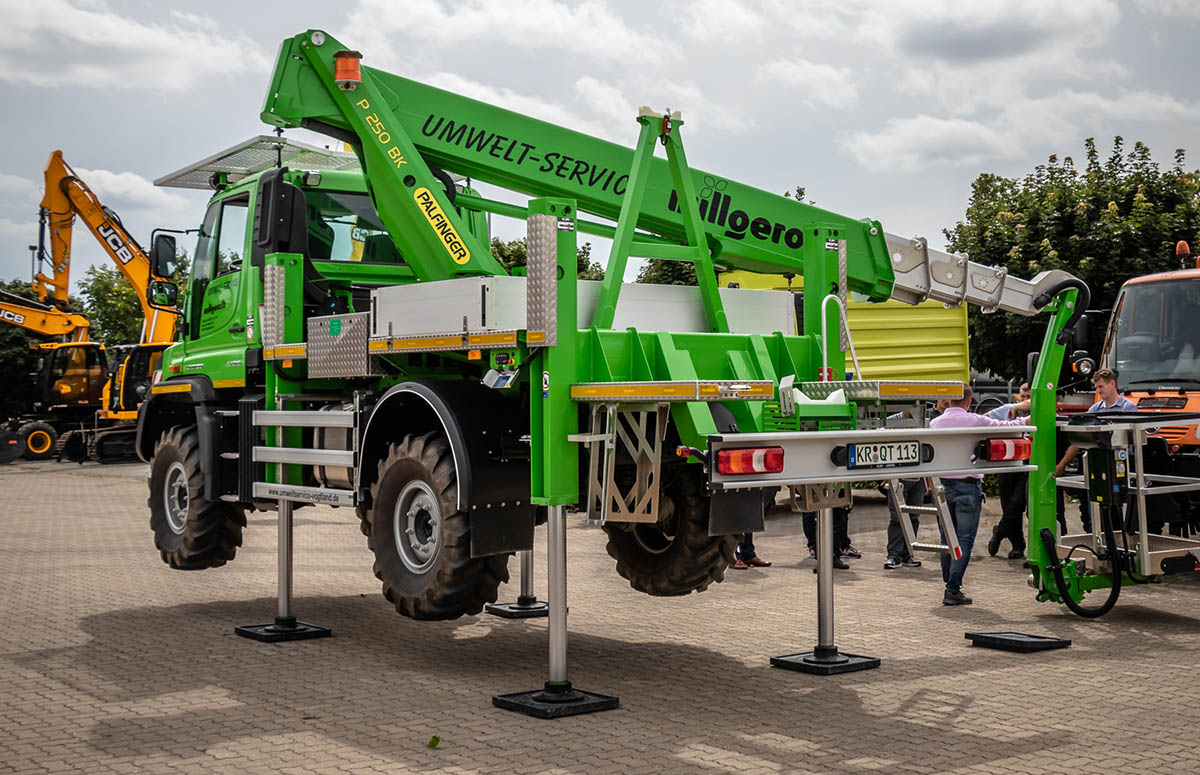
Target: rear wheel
(421, 541)
(38, 439)
(191, 531)
(675, 555)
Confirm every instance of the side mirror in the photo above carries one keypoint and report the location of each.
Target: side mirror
(1031, 361)
(163, 293)
(1081, 333)
(163, 256)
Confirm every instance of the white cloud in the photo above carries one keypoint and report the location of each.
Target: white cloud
(1065, 117)
(124, 190)
(818, 83)
(1182, 9)
(589, 29)
(15, 183)
(721, 20)
(18, 230)
(535, 107)
(59, 43)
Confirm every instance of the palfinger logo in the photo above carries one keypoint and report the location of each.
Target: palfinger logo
(441, 224)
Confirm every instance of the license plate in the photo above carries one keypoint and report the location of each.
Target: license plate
(884, 455)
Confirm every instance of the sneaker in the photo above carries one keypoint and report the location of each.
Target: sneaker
(812, 553)
(993, 545)
(852, 553)
(1016, 554)
(955, 598)
(911, 562)
(891, 564)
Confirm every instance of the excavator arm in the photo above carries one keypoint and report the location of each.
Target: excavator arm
(42, 318)
(67, 197)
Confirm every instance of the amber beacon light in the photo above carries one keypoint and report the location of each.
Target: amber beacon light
(348, 74)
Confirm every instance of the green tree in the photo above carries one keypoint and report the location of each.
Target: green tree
(513, 254)
(112, 306)
(1117, 218)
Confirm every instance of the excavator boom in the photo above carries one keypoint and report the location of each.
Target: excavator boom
(67, 197)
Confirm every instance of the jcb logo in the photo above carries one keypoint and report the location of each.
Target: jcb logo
(12, 316)
(113, 240)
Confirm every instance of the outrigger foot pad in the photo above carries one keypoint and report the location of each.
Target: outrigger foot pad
(828, 661)
(1016, 641)
(522, 609)
(555, 701)
(282, 629)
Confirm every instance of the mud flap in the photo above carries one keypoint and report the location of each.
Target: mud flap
(736, 511)
(498, 530)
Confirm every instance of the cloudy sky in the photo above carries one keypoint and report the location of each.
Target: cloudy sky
(881, 108)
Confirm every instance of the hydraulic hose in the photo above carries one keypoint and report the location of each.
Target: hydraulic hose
(1115, 558)
(1081, 304)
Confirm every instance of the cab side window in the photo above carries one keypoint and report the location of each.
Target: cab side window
(219, 251)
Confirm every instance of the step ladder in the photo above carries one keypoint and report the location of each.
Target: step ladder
(280, 454)
(939, 507)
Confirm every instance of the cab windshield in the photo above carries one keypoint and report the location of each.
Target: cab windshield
(1156, 339)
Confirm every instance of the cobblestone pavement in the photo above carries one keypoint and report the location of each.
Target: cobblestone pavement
(111, 662)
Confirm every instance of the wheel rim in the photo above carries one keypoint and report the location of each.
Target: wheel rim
(176, 498)
(39, 442)
(417, 526)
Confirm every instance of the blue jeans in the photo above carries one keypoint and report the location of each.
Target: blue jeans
(965, 499)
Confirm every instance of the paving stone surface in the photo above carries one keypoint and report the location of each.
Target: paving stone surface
(112, 662)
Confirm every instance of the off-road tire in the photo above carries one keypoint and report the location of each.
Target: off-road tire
(38, 440)
(685, 557)
(206, 533)
(447, 583)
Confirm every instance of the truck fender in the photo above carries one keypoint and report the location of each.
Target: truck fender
(495, 495)
(169, 405)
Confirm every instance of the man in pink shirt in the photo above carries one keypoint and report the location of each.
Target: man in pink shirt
(964, 496)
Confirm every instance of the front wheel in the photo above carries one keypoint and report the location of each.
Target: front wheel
(421, 541)
(191, 531)
(675, 555)
(38, 439)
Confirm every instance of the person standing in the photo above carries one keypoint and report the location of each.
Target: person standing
(1014, 488)
(912, 494)
(964, 496)
(1111, 400)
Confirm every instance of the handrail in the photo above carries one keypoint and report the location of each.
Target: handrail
(824, 376)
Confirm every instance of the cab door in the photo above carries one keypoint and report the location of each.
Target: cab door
(215, 340)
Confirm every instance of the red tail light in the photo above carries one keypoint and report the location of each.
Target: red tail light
(1008, 449)
(755, 460)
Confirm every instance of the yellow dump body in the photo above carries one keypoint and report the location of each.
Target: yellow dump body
(893, 340)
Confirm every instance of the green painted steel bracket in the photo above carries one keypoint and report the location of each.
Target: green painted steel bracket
(277, 380)
(627, 242)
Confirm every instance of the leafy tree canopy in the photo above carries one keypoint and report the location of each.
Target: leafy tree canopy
(513, 254)
(1115, 219)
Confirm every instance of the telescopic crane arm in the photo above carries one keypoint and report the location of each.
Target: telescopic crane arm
(406, 132)
(66, 197)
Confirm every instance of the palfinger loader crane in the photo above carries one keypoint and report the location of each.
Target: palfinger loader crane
(350, 340)
(112, 395)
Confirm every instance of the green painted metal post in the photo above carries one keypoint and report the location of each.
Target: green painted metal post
(1043, 508)
(820, 279)
(631, 205)
(554, 461)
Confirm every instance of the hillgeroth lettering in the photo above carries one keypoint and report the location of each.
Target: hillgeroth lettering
(518, 152)
(736, 223)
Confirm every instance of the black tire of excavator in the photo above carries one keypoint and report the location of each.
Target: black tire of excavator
(38, 440)
(212, 530)
(691, 559)
(453, 584)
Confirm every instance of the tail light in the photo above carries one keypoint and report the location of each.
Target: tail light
(754, 460)
(996, 450)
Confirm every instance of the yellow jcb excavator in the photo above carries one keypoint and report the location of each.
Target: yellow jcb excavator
(86, 406)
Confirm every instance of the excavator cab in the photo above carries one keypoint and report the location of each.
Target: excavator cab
(71, 374)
